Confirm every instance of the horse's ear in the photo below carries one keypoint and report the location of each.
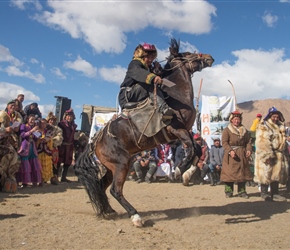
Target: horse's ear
(174, 47)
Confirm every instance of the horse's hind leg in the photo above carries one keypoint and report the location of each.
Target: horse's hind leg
(119, 178)
(107, 180)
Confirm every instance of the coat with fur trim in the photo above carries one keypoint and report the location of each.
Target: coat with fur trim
(236, 169)
(271, 153)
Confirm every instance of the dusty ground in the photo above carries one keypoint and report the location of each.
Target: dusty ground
(176, 217)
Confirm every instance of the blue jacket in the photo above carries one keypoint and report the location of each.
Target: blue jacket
(216, 155)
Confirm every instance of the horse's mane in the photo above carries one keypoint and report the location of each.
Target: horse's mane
(174, 48)
(174, 52)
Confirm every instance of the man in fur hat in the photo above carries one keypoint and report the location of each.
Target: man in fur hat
(66, 149)
(10, 121)
(140, 79)
(271, 165)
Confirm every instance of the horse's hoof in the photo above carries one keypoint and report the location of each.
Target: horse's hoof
(111, 215)
(137, 221)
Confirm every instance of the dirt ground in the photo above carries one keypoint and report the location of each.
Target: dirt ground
(175, 217)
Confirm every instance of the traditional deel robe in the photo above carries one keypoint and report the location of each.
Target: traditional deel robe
(57, 141)
(236, 169)
(271, 145)
(163, 152)
(67, 147)
(44, 150)
(30, 168)
(138, 73)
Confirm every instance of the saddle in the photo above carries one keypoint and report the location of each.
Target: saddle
(145, 117)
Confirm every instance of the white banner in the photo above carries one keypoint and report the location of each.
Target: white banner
(215, 113)
(99, 121)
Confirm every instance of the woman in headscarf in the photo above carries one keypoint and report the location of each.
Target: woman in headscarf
(271, 165)
(237, 146)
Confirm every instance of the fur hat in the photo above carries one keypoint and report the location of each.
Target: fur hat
(273, 111)
(144, 50)
(69, 112)
(236, 113)
(51, 116)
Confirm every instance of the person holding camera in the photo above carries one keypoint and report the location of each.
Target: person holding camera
(30, 167)
(145, 165)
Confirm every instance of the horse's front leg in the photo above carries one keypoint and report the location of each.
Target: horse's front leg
(119, 178)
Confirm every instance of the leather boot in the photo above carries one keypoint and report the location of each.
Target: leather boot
(54, 180)
(264, 193)
(211, 178)
(274, 192)
(162, 107)
(64, 174)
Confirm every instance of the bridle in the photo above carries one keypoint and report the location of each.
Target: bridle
(180, 61)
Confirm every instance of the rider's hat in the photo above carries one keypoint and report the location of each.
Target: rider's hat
(144, 50)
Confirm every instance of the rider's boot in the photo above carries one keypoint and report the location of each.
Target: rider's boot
(163, 108)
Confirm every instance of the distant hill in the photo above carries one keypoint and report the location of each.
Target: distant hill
(251, 108)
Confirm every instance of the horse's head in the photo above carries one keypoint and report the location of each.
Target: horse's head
(192, 61)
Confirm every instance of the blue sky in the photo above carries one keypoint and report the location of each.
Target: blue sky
(81, 49)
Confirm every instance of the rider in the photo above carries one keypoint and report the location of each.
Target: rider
(140, 79)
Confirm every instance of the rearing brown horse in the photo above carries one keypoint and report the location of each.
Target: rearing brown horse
(116, 143)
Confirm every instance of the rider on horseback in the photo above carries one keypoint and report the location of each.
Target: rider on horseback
(140, 79)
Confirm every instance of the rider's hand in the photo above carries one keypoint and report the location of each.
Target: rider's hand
(158, 80)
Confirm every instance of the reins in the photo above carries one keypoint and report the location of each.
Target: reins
(182, 61)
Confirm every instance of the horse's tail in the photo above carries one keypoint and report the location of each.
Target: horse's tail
(87, 169)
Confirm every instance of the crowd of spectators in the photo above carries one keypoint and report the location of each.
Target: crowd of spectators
(34, 150)
(162, 162)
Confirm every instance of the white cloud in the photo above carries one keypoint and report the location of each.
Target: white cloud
(10, 91)
(83, 66)
(115, 75)
(45, 109)
(6, 56)
(58, 73)
(14, 71)
(269, 19)
(34, 61)
(22, 3)
(104, 25)
(256, 75)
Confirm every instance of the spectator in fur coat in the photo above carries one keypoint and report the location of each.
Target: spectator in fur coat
(9, 142)
(271, 165)
(237, 146)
